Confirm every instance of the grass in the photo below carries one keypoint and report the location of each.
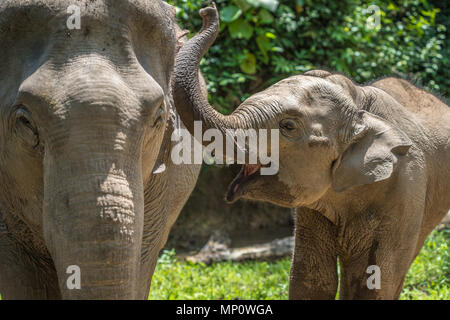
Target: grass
(227, 280)
(428, 277)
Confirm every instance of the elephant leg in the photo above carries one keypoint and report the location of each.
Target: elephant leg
(314, 264)
(24, 276)
(163, 204)
(385, 252)
(378, 273)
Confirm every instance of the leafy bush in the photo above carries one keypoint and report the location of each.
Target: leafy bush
(263, 41)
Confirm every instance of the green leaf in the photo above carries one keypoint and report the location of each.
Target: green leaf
(253, 3)
(264, 45)
(249, 64)
(240, 29)
(270, 35)
(230, 13)
(243, 4)
(271, 5)
(265, 17)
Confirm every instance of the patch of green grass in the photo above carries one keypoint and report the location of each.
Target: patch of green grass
(250, 280)
(428, 277)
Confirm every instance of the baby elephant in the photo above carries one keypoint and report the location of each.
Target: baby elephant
(367, 167)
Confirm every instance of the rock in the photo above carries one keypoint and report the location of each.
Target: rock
(217, 249)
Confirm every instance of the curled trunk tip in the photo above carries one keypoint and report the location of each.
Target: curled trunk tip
(190, 99)
(210, 17)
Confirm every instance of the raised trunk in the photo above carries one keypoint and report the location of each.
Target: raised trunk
(93, 219)
(191, 103)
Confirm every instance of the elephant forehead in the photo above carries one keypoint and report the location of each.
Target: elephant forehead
(53, 6)
(292, 94)
(154, 13)
(34, 36)
(25, 23)
(294, 89)
(304, 84)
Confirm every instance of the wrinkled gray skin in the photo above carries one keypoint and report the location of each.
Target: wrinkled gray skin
(367, 167)
(86, 117)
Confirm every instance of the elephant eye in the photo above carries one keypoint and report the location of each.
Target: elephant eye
(288, 124)
(25, 128)
(24, 121)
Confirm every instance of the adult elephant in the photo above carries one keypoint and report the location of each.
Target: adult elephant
(87, 188)
(368, 168)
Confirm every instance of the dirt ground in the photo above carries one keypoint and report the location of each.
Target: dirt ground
(246, 222)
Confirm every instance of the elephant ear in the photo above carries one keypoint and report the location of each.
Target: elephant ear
(372, 155)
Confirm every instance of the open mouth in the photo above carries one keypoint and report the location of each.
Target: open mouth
(248, 173)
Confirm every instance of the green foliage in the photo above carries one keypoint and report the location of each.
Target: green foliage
(254, 280)
(262, 42)
(428, 277)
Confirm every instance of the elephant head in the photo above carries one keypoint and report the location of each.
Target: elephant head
(330, 137)
(84, 112)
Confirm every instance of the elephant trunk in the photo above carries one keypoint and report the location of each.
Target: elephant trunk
(190, 101)
(93, 218)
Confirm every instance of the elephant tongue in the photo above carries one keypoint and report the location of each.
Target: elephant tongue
(250, 169)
